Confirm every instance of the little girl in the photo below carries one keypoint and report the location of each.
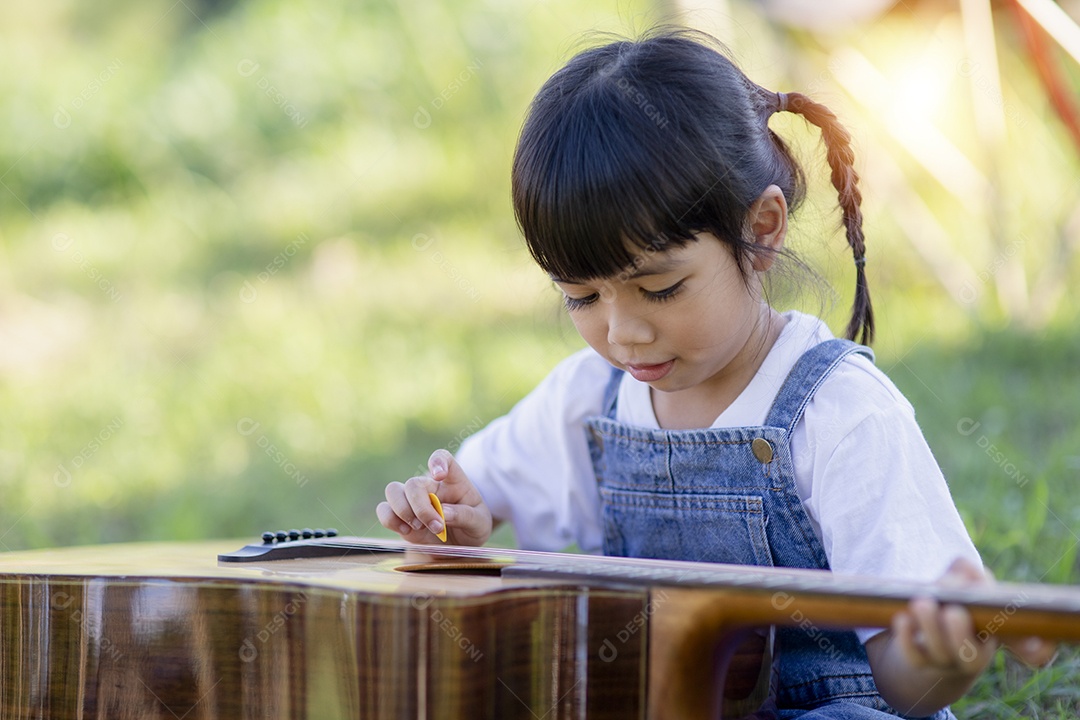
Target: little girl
(701, 424)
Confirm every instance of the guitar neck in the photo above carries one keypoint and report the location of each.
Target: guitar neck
(1017, 608)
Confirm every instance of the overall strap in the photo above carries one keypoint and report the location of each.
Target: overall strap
(815, 365)
(611, 393)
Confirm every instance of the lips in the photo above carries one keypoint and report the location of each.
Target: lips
(650, 373)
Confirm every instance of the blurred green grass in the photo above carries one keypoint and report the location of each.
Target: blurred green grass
(258, 259)
(1001, 415)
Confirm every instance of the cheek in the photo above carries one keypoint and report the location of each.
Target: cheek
(592, 327)
(726, 300)
(705, 322)
(687, 329)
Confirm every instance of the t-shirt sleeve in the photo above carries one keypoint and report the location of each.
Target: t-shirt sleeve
(881, 502)
(532, 465)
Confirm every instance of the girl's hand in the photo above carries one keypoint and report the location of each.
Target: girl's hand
(945, 639)
(409, 512)
(934, 653)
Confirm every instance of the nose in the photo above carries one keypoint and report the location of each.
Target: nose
(628, 327)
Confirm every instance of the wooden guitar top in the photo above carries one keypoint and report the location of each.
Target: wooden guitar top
(364, 628)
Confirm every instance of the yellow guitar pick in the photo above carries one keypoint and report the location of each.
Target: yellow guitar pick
(438, 509)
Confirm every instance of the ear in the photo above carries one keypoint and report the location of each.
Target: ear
(767, 221)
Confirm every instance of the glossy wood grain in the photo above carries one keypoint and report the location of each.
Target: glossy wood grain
(165, 632)
(168, 631)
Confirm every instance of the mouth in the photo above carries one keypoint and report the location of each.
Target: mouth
(650, 373)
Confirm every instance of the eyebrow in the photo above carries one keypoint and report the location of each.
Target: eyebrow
(658, 268)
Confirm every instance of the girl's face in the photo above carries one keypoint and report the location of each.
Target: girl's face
(681, 319)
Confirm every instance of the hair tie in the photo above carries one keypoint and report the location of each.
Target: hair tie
(781, 102)
(860, 261)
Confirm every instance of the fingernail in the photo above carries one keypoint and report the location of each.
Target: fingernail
(416, 524)
(435, 527)
(438, 467)
(405, 529)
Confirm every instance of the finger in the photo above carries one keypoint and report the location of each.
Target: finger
(439, 464)
(390, 520)
(454, 485)
(1034, 651)
(962, 572)
(416, 492)
(959, 632)
(398, 500)
(928, 631)
(903, 632)
(467, 523)
(956, 627)
(445, 470)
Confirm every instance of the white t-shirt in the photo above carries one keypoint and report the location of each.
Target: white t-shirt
(867, 479)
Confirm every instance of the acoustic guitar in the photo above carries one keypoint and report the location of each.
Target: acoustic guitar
(345, 627)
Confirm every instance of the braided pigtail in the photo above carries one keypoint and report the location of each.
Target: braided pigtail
(841, 160)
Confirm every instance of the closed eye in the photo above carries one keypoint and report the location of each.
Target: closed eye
(665, 294)
(573, 303)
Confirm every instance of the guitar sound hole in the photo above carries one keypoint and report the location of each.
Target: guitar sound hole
(452, 567)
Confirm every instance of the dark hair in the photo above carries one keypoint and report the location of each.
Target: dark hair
(640, 145)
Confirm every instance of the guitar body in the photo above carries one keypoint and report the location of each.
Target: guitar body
(373, 629)
(164, 631)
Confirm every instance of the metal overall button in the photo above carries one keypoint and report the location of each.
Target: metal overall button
(763, 450)
(598, 438)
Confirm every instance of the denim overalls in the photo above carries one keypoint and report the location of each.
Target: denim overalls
(728, 495)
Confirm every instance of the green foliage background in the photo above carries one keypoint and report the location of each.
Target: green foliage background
(257, 259)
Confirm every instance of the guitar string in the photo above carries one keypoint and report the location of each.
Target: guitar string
(1008, 596)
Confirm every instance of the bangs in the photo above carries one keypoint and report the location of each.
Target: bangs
(605, 169)
(585, 204)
